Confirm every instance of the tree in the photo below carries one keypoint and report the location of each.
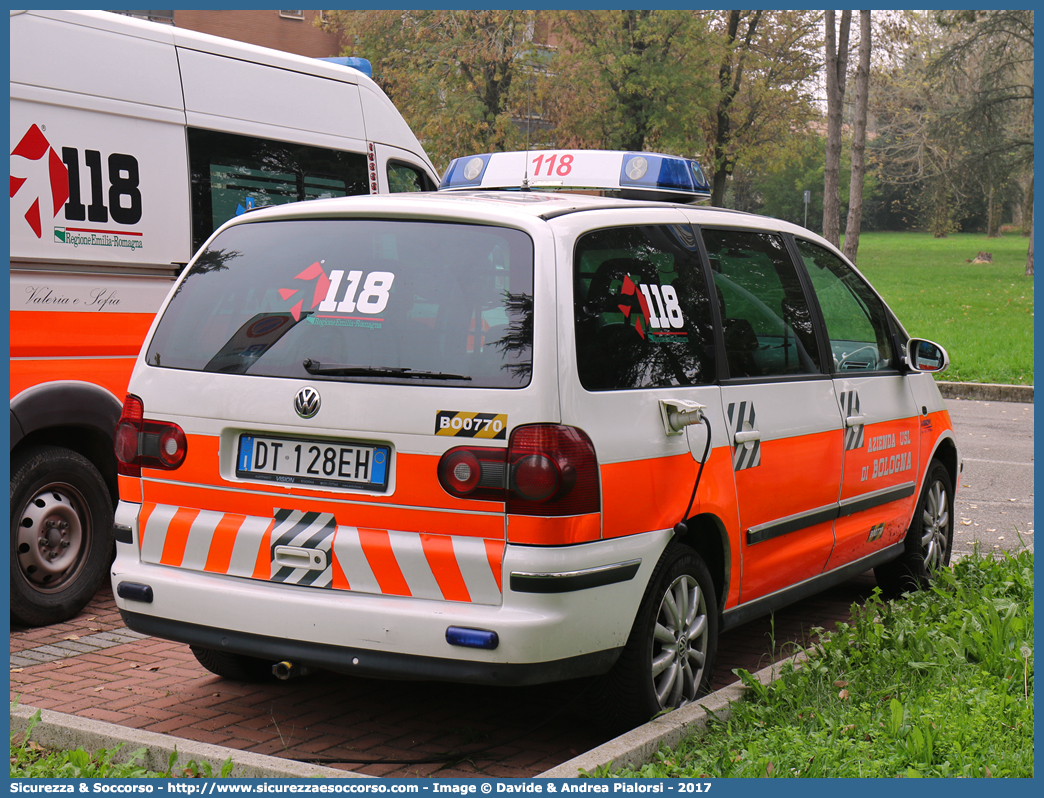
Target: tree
(763, 99)
(631, 80)
(730, 78)
(955, 112)
(454, 75)
(855, 192)
(836, 48)
(991, 58)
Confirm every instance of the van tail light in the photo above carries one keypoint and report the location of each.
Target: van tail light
(546, 470)
(140, 442)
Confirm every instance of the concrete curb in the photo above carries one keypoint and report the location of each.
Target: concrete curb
(986, 391)
(58, 730)
(640, 745)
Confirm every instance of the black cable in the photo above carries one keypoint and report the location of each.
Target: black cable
(681, 528)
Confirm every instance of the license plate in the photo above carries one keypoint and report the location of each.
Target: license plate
(327, 464)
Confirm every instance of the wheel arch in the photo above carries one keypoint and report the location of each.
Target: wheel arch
(946, 453)
(80, 416)
(706, 535)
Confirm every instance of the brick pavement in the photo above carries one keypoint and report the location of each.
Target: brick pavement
(95, 668)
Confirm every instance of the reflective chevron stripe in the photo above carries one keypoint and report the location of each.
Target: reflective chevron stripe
(388, 562)
(850, 407)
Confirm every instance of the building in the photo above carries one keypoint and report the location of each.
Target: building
(294, 31)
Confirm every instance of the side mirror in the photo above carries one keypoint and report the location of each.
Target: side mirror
(922, 355)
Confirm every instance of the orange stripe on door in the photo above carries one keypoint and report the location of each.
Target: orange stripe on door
(177, 536)
(220, 554)
(376, 545)
(438, 550)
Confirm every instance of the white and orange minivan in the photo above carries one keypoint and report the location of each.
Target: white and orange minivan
(503, 433)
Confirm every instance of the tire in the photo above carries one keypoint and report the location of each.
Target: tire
(669, 656)
(237, 667)
(929, 541)
(61, 534)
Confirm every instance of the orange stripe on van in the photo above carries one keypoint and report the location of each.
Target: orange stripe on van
(340, 581)
(143, 520)
(438, 550)
(263, 565)
(220, 554)
(361, 514)
(130, 488)
(647, 494)
(539, 531)
(376, 545)
(416, 479)
(111, 374)
(495, 556)
(177, 536)
(36, 333)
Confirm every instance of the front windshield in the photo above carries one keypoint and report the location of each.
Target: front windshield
(356, 299)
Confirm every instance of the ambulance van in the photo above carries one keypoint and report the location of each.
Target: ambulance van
(506, 434)
(131, 142)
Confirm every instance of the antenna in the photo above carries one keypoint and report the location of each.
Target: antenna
(529, 122)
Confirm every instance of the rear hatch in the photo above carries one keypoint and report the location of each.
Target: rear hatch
(319, 370)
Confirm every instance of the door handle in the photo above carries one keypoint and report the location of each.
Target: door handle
(747, 436)
(854, 421)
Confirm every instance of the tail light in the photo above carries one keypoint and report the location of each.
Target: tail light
(547, 470)
(140, 442)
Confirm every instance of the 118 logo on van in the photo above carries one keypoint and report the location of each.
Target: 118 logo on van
(63, 172)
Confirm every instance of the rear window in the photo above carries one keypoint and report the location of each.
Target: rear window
(363, 300)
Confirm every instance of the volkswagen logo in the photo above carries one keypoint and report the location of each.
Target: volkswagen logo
(307, 402)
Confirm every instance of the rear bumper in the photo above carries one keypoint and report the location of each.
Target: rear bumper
(564, 612)
(364, 662)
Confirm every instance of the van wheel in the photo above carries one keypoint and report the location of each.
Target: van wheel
(61, 534)
(237, 667)
(669, 656)
(929, 541)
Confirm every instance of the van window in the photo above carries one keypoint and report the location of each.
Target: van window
(766, 322)
(856, 321)
(641, 310)
(232, 174)
(346, 299)
(403, 177)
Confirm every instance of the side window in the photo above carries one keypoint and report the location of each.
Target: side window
(641, 310)
(403, 177)
(766, 321)
(232, 174)
(856, 319)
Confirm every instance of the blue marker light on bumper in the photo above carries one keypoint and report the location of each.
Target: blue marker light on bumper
(472, 638)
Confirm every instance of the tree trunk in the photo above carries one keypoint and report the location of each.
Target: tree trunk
(836, 70)
(862, 91)
(1027, 211)
(730, 79)
(1029, 255)
(993, 213)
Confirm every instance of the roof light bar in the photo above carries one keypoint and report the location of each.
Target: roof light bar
(633, 175)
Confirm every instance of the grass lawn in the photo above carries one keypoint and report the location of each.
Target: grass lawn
(937, 683)
(981, 314)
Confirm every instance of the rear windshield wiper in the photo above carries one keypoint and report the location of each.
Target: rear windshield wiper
(315, 367)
